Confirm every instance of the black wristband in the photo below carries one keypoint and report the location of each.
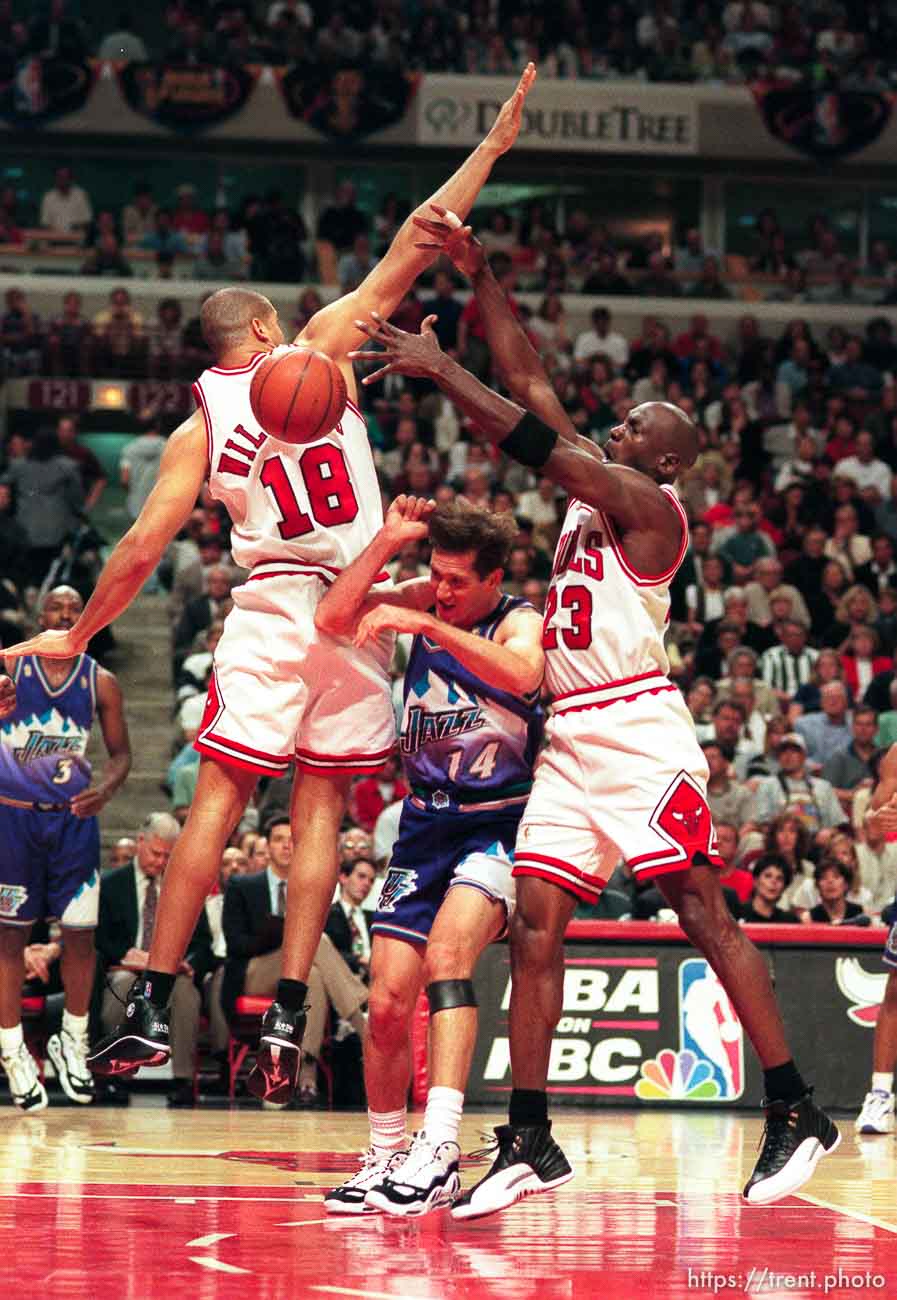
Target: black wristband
(530, 442)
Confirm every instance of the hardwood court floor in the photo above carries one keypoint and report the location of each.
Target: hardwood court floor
(215, 1204)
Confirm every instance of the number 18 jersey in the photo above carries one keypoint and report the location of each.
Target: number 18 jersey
(317, 504)
(604, 621)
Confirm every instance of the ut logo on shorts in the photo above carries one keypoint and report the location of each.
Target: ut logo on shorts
(399, 883)
(11, 899)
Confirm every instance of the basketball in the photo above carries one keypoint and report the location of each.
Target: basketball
(298, 395)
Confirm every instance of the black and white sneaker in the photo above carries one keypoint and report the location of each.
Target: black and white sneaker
(529, 1160)
(427, 1180)
(141, 1039)
(351, 1196)
(69, 1057)
(25, 1086)
(276, 1071)
(795, 1139)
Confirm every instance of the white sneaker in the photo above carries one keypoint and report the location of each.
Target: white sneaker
(27, 1091)
(877, 1115)
(69, 1057)
(427, 1180)
(351, 1196)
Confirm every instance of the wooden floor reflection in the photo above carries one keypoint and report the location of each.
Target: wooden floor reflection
(214, 1204)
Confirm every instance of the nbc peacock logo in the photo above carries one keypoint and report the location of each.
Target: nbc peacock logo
(709, 1065)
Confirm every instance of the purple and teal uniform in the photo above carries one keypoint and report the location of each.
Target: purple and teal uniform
(49, 858)
(468, 751)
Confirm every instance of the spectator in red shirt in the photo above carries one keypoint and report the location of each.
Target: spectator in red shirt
(188, 218)
(372, 794)
(686, 343)
(732, 877)
(93, 480)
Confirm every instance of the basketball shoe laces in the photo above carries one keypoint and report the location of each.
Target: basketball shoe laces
(776, 1139)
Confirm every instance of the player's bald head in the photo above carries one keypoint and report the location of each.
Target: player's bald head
(678, 432)
(229, 316)
(60, 594)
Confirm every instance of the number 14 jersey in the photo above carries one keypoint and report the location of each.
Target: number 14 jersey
(604, 621)
(318, 504)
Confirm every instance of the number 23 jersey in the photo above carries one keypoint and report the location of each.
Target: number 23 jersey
(43, 743)
(318, 504)
(604, 621)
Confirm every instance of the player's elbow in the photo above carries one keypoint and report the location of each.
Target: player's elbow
(141, 548)
(528, 678)
(329, 620)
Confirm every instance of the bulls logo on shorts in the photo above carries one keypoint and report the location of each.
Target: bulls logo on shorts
(683, 817)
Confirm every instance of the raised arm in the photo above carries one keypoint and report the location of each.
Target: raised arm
(165, 512)
(517, 360)
(347, 599)
(333, 330)
(632, 499)
(514, 661)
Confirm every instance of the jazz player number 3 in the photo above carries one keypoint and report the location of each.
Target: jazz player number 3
(622, 773)
(281, 693)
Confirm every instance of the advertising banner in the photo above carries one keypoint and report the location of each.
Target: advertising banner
(36, 90)
(651, 1024)
(349, 103)
(186, 97)
(566, 116)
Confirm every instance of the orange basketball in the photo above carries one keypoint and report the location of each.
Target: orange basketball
(298, 396)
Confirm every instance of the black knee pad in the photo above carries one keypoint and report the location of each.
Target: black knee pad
(443, 995)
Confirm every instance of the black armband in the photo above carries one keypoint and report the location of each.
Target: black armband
(530, 442)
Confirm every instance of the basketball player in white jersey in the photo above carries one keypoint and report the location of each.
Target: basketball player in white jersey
(280, 692)
(622, 773)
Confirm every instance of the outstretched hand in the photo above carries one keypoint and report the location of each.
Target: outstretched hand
(415, 355)
(448, 235)
(507, 124)
(55, 644)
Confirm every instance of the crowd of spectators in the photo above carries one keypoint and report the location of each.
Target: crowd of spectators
(547, 249)
(657, 40)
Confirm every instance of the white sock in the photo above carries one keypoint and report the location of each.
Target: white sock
(387, 1130)
(881, 1080)
(11, 1040)
(74, 1026)
(442, 1118)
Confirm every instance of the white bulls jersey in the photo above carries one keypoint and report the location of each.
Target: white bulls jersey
(604, 622)
(318, 504)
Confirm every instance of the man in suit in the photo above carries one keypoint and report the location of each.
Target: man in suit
(129, 899)
(200, 613)
(252, 920)
(347, 923)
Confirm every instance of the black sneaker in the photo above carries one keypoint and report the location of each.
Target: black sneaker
(795, 1139)
(141, 1039)
(276, 1071)
(529, 1160)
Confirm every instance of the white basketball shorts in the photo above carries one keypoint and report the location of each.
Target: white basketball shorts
(282, 692)
(626, 780)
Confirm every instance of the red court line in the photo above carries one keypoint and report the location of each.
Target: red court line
(611, 961)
